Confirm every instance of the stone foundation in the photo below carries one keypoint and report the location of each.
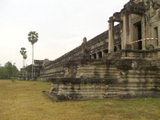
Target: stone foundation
(134, 84)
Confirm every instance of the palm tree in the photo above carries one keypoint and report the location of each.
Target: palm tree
(23, 53)
(33, 38)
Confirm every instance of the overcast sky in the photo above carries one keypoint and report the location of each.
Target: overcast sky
(61, 25)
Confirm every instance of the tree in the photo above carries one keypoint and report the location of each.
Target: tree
(23, 53)
(9, 70)
(32, 38)
(3, 74)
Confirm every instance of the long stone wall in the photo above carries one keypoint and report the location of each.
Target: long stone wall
(122, 62)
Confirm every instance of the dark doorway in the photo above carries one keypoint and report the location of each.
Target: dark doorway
(156, 34)
(100, 54)
(94, 56)
(139, 34)
(119, 47)
(115, 48)
(105, 51)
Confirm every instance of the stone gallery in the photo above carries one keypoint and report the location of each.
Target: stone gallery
(122, 62)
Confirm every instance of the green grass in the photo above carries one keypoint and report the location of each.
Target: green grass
(24, 100)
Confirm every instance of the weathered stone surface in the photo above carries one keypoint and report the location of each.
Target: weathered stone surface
(122, 62)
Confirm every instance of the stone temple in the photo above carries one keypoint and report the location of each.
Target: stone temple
(122, 62)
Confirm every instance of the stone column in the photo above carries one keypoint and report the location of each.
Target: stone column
(97, 56)
(111, 36)
(126, 30)
(143, 33)
(159, 36)
(102, 53)
(146, 31)
(92, 57)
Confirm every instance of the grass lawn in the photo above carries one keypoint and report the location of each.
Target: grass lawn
(24, 100)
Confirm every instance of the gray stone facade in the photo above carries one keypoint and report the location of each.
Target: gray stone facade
(122, 62)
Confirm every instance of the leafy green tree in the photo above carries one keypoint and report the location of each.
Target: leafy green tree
(15, 70)
(10, 70)
(3, 74)
(32, 38)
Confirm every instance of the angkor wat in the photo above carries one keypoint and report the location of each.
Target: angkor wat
(122, 62)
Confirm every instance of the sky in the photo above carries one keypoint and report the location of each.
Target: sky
(61, 25)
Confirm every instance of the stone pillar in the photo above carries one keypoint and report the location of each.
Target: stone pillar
(102, 53)
(143, 33)
(97, 56)
(92, 57)
(146, 31)
(111, 36)
(159, 36)
(126, 30)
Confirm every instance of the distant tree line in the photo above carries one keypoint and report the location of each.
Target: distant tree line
(8, 71)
